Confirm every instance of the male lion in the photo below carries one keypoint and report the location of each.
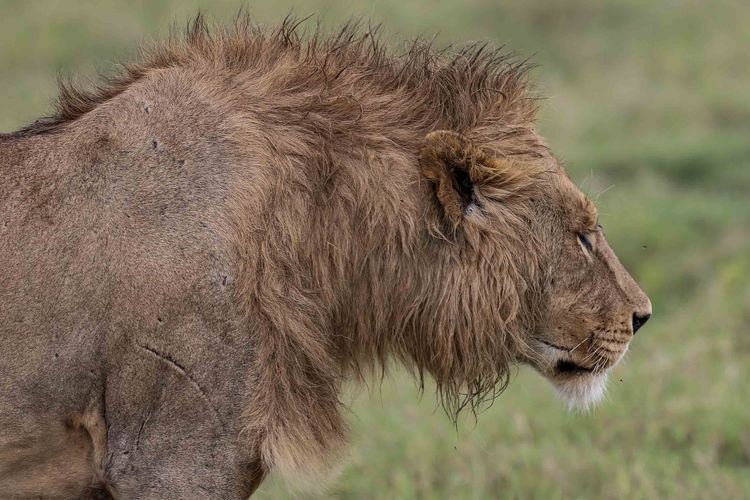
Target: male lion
(195, 255)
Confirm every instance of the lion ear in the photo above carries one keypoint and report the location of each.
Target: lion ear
(448, 160)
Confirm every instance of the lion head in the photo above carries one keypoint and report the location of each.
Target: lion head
(537, 280)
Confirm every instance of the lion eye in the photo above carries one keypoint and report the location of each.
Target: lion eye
(585, 241)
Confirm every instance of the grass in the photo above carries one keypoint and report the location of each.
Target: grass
(649, 105)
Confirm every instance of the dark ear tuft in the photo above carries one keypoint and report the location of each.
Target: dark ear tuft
(448, 160)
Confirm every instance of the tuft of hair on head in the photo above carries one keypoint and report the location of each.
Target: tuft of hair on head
(462, 88)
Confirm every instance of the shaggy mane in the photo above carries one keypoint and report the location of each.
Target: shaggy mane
(455, 84)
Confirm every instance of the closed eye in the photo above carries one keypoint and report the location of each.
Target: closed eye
(585, 241)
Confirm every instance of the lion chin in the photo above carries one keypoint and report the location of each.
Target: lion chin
(583, 392)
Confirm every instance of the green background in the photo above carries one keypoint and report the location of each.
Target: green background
(648, 102)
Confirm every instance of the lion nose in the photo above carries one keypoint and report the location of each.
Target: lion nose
(639, 320)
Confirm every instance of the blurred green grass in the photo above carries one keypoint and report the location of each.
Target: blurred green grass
(649, 105)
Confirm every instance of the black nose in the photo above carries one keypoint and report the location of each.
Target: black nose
(639, 320)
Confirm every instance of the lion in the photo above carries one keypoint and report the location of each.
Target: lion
(198, 253)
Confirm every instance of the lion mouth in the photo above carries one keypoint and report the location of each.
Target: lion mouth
(579, 385)
(566, 367)
(561, 362)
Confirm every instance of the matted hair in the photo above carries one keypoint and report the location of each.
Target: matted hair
(460, 85)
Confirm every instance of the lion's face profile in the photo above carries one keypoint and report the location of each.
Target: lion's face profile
(559, 298)
(592, 306)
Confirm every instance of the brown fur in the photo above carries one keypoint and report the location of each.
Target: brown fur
(224, 233)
